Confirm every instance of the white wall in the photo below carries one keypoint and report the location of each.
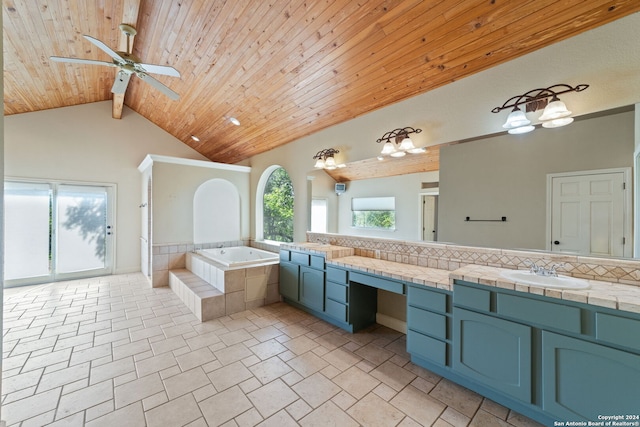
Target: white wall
(83, 143)
(405, 188)
(174, 186)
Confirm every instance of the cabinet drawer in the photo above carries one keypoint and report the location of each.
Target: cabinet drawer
(427, 299)
(426, 347)
(285, 255)
(337, 275)
(317, 261)
(528, 310)
(377, 282)
(479, 299)
(427, 322)
(300, 258)
(618, 330)
(336, 310)
(337, 292)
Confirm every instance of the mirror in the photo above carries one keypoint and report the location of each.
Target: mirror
(496, 176)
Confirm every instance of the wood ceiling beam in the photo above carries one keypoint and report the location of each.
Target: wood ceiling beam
(130, 9)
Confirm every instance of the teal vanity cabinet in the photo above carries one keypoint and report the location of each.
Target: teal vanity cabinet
(490, 350)
(348, 304)
(302, 278)
(582, 379)
(547, 358)
(312, 288)
(429, 326)
(327, 291)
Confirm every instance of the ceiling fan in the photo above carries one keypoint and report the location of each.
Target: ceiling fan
(128, 64)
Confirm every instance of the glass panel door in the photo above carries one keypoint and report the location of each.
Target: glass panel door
(81, 227)
(27, 231)
(56, 231)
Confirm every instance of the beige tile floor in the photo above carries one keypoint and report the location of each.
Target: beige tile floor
(112, 351)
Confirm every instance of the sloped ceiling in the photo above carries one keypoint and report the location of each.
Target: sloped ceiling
(285, 68)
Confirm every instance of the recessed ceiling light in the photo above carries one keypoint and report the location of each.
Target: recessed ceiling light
(195, 138)
(234, 121)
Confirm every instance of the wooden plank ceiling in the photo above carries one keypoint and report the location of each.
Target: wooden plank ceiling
(284, 68)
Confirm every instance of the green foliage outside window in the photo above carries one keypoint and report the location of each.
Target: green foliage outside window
(374, 219)
(278, 207)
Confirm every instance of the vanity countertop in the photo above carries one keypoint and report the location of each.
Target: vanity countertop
(327, 250)
(428, 276)
(605, 294)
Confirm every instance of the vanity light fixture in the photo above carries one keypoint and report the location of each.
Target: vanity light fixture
(401, 139)
(325, 160)
(555, 113)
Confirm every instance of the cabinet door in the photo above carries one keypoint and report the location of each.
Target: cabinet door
(493, 351)
(581, 380)
(289, 280)
(312, 288)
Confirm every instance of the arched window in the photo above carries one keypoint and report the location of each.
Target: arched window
(276, 190)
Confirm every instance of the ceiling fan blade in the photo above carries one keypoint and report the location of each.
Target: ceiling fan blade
(160, 69)
(81, 61)
(121, 82)
(112, 53)
(162, 88)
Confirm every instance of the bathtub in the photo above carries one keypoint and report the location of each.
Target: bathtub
(239, 256)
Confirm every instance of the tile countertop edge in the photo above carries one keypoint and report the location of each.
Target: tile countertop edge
(616, 296)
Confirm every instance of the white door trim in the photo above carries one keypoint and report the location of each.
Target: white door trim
(628, 203)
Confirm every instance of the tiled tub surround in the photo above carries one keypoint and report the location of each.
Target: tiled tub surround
(173, 256)
(451, 257)
(211, 290)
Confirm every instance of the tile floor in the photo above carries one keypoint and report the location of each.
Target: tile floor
(112, 351)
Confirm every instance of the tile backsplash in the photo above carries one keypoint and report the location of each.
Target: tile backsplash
(451, 257)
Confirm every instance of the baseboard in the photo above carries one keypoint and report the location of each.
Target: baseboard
(391, 323)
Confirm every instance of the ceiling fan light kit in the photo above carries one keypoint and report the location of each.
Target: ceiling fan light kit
(128, 64)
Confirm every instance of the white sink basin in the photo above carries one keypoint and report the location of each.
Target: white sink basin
(531, 279)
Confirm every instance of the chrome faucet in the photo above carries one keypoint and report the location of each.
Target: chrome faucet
(542, 271)
(533, 267)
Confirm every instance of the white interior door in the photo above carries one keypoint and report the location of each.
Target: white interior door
(589, 213)
(430, 218)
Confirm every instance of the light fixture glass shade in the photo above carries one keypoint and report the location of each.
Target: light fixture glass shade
(330, 163)
(555, 110)
(388, 148)
(319, 164)
(407, 144)
(516, 119)
(556, 123)
(397, 154)
(521, 129)
(417, 150)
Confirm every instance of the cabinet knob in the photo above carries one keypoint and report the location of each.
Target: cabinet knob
(556, 242)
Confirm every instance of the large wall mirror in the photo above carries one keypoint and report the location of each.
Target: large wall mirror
(505, 176)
